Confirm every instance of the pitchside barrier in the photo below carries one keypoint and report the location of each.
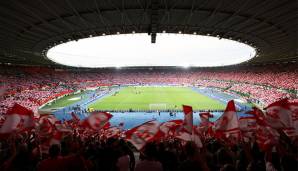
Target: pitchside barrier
(153, 111)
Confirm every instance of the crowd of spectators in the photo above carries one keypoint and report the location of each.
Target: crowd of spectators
(33, 86)
(116, 154)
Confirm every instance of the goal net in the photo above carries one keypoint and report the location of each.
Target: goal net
(158, 106)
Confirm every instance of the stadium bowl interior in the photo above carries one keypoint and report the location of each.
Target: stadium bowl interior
(172, 109)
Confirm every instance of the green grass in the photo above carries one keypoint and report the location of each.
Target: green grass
(173, 97)
(65, 101)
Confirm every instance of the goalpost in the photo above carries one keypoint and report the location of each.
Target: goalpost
(158, 106)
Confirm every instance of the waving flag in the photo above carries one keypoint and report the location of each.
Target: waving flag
(144, 133)
(266, 137)
(96, 120)
(205, 118)
(44, 128)
(205, 125)
(227, 125)
(50, 117)
(17, 118)
(259, 116)
(294, 111)
(168, 128)
(188, 118)
(279, 115)
(247, 123)
(112, 132)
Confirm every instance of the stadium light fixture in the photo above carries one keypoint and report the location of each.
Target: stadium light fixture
(130, 50)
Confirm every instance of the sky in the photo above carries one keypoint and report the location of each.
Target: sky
(126, 50)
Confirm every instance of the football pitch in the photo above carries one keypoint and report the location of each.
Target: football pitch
(156, 98)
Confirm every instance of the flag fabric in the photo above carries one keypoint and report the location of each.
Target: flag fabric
(248, 126)
(259, 115)
(279, 115)
(144, 133)
(205, 125)
(17, 118)
(168, 128)
(112, 132)
(184, 135)
(227, 126)
(294, 111)
(266, 137)
(96, 120)
(188, 118)
(50, 117)
(205, 118)
(61, 127)
(44, 128)
(247, 123)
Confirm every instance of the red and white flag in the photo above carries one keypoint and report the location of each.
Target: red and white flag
(186, 136)
(294, 110)
(144, 133)
(168, 128)
(227, 125)
(205, 125)
(247, 123)
(17, 118)
(205, 118)
(54, 139)
(44, 128)
(61, 127)
(188, 118)
(279, 115)
(96, 120)
(50, 117)
(259, 116)
(112, 132)
(266, 137)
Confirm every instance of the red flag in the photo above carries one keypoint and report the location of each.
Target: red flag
(186, 136)
(266, 137)
(205, 124)
(50, 117)
(112, 132)
(44, 128)
(188, 118)
(247, 123)
(294, 110)
(248, 126)
(61, 127)
(278, 114)
(168, 128)
(259, 115)
(107, 125)
(144, 133)
(228, 124)
(96, 120)
(54, 139)
(205, 118)
(17, 118)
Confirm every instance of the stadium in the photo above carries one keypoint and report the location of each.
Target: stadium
(149, 85)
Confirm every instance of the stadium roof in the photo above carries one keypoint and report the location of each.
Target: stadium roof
(29, 28)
